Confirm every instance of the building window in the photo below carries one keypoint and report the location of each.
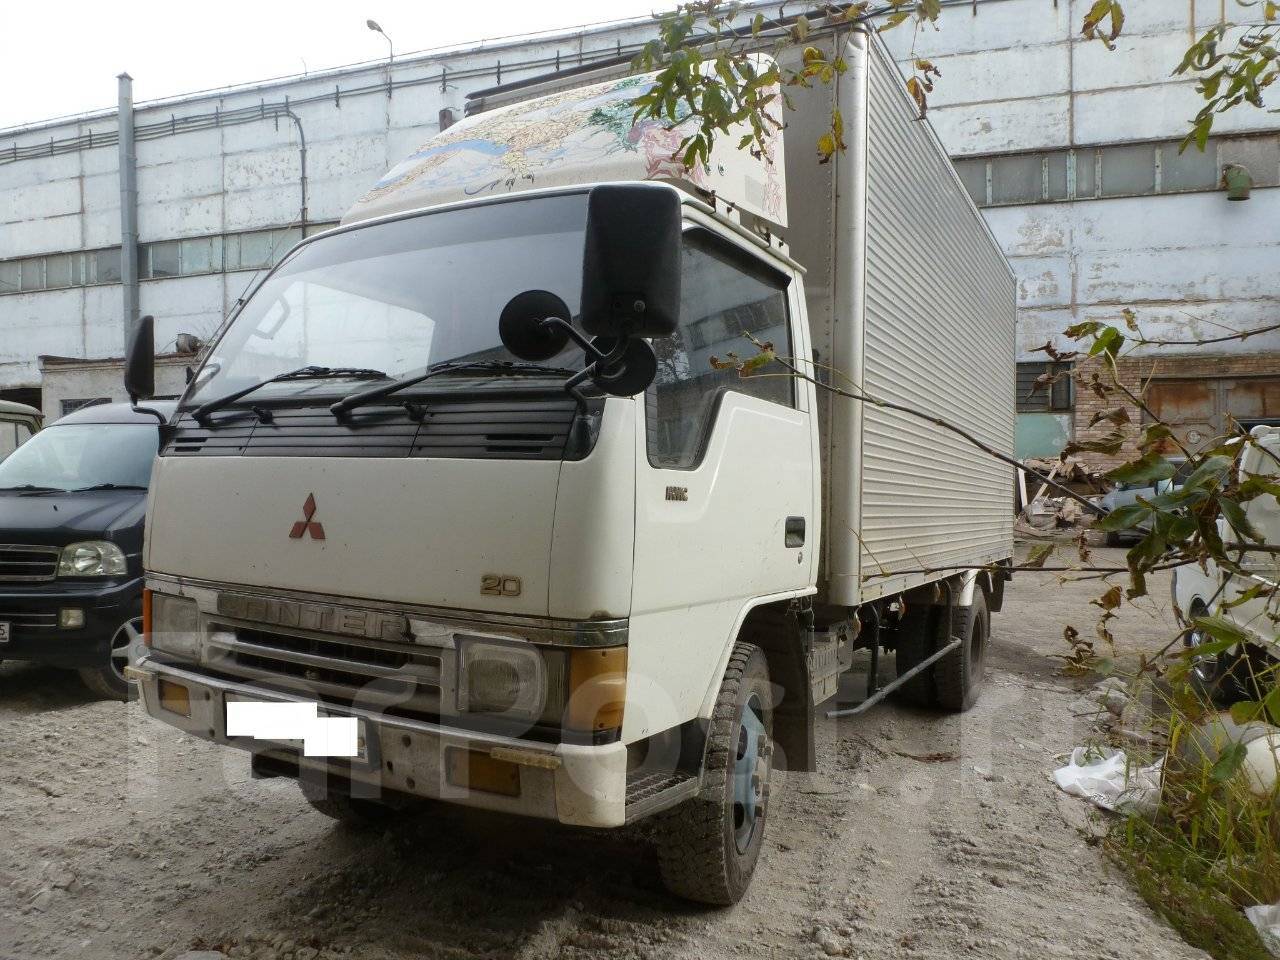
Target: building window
(1122, 170)
(158, 260)
(71, 406)
(1037, 396)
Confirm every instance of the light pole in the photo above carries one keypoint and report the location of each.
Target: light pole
(391, 50)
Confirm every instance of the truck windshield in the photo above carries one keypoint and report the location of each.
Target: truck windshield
(80, 456)
(400, 296)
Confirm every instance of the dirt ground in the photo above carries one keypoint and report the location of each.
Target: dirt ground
(121, 839)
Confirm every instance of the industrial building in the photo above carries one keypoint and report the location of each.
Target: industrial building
(1071, 150)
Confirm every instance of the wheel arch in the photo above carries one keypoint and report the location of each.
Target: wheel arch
(769, 624)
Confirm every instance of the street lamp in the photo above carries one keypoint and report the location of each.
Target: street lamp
(391, 50)
(373, 25)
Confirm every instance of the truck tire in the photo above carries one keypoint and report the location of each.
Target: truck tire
(352, 811)
(109, 681)
(708, 846)
(958, 676)
(917, 639)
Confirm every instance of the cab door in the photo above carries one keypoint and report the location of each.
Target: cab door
(726, 494)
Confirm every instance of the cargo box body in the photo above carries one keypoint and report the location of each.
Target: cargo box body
(911, 302)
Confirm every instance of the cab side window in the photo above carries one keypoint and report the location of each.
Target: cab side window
(725, 295)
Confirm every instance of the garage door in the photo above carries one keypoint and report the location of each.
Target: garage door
(1206, 408)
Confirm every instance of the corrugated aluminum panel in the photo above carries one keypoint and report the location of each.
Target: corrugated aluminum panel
(937, 307)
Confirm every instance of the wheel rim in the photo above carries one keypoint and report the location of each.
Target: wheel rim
(125, 644)
(750, 775)
(1204, 666)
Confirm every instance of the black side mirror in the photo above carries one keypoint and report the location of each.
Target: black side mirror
(631, 263)
(140, 362)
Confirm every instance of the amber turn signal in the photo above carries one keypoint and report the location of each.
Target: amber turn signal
(597, 689)
(146, 617)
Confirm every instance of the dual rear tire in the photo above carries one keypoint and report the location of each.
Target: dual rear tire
(954, 682)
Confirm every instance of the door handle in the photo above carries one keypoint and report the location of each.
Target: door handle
(794, 532)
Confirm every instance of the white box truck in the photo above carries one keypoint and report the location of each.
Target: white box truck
(462, 469)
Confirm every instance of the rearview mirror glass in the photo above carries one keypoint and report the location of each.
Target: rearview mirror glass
(140, 362)
(631, 263)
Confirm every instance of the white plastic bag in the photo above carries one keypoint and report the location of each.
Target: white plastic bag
(1266, 920)
(1103, 777)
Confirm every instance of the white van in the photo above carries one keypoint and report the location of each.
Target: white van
(18, 423)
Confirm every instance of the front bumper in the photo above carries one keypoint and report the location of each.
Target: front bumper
(574, 784)
(32, 612)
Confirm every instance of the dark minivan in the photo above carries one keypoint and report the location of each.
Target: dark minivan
(73, 500)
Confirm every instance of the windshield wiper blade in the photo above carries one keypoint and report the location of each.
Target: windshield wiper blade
(364, 397)
(33, 488)
(202, 412)
(108, 486)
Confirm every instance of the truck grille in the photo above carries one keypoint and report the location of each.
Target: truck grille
(27, 564)
(404, 679)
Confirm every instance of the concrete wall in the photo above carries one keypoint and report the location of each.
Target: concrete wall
(1015, 78)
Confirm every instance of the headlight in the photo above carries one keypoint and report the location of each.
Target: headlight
(515, 680)
(92, 558)
(175, 625)
(582, 689)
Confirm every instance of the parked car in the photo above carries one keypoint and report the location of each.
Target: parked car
(18, 423)
(1249, 599)
(1124, 494)
(72, 504)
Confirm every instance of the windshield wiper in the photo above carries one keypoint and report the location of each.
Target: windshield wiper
(33, 488)
(364, 397)
(108, 486)
(201, 413)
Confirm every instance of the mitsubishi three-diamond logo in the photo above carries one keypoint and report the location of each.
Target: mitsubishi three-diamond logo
(307, 525)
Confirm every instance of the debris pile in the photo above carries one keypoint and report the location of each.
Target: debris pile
(1040, 509)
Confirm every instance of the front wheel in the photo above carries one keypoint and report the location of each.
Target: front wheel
(1220, 679)
(109, 681)
(708, 846)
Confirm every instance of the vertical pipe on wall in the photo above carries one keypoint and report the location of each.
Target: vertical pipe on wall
(128, 206)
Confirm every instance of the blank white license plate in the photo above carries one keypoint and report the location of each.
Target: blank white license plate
(6, 632)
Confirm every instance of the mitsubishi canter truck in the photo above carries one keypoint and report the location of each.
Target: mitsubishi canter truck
(478, 467)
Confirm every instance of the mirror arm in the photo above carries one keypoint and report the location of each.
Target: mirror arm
(580, 339)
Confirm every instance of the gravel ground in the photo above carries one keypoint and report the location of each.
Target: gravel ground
(921, 836)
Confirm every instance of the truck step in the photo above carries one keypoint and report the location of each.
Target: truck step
(651, 792)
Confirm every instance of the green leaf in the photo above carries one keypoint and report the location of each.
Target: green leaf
(1123, 518)
(1209, 473)
(1039, 554)
(1222, 630)
(1110, 340)
(1236, 517)
(1228, 764)
(1147, 469)
(1247, 711)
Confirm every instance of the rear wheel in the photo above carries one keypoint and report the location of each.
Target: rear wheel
(110, 681)
(958, 676)
(708, 846)
(917, 639)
